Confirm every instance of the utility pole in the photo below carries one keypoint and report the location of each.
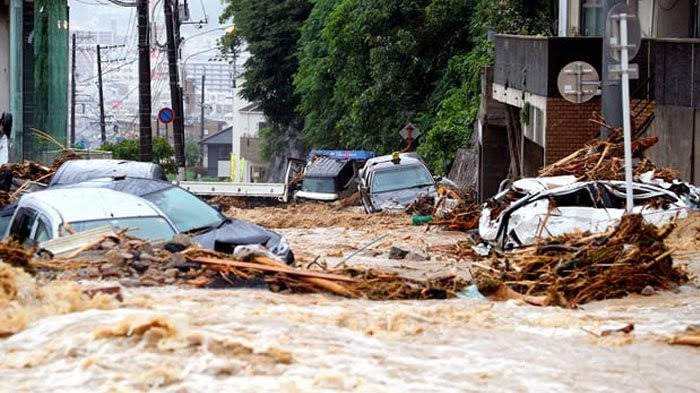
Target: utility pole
(145, 133)
(172, 27)
(72, 97)
(201, 123)
(103, 133)
(611, 90)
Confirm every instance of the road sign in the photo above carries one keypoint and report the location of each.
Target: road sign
(615, 71)
(578, 82)
(410, 132)
(166, 115)
(612, 31)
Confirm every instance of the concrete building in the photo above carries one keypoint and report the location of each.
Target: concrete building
(34, 72)
(524, 117)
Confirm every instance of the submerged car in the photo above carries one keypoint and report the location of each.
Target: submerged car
(392, 182)
(189, 214)
(329, 174)
(76, 171)
(542, 208)
(46, 215)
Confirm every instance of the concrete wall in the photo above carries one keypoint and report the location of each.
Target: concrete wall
(4, 57)
(494, 160)
(678, 129)
(672, 18)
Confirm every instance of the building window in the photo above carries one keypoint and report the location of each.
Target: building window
(592, 19)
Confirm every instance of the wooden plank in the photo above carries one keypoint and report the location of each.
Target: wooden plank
(275, 269)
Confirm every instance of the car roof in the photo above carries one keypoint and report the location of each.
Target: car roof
(83, 204)
(325, 167)
(76, 171)
(385, 162)
(129, 185)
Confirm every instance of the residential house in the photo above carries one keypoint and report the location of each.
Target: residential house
(524, 117)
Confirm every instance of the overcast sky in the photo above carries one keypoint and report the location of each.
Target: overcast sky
(99, 14)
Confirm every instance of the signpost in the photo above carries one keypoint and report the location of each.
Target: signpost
(166, 115)
(578, 82)
(623, 37)
(409, 133)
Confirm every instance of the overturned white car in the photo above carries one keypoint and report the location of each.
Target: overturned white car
(547, 207)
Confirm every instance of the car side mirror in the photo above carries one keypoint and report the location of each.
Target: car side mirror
(437, 179)
(217, 208)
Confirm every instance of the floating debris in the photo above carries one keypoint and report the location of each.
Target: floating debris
(577, 268)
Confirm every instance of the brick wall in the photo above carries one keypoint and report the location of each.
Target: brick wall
(568, 128)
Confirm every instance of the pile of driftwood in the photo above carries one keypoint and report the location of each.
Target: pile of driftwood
(604, 159)
(15, 179)
(577, 268)
(135, 262)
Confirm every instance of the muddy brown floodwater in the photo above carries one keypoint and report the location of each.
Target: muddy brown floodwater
(172, 339)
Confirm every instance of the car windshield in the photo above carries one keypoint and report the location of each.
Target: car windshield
(401, 178)
(148, 228)
(319, 184)
(185, 210)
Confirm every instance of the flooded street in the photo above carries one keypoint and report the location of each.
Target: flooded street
(196, 340)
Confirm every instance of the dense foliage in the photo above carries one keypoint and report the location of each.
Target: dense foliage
(192, 153)
(357, 71)
(128, 149)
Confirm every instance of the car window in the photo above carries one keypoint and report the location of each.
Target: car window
(22, 224)
(42, 232)
(319, 184)
(185, 210)
(402, 178)
(4, 222)
(148, 228)
(579, 198)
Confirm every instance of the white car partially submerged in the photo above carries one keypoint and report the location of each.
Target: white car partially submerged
(548, 207)
(46, 215)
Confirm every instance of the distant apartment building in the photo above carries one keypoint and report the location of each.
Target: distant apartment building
(219, 76)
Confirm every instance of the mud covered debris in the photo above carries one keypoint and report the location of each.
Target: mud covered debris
(455, 210)
(577, 268)
(228, 202)
(315, 215)
(138, 263)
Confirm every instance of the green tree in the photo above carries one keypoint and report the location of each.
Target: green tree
(367, 68)
(128, 149)
(192, 153)
(270, 29)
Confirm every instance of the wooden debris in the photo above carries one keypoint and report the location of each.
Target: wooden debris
(604, 159)
(577, 268)
(137, 262)
(28, 175)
